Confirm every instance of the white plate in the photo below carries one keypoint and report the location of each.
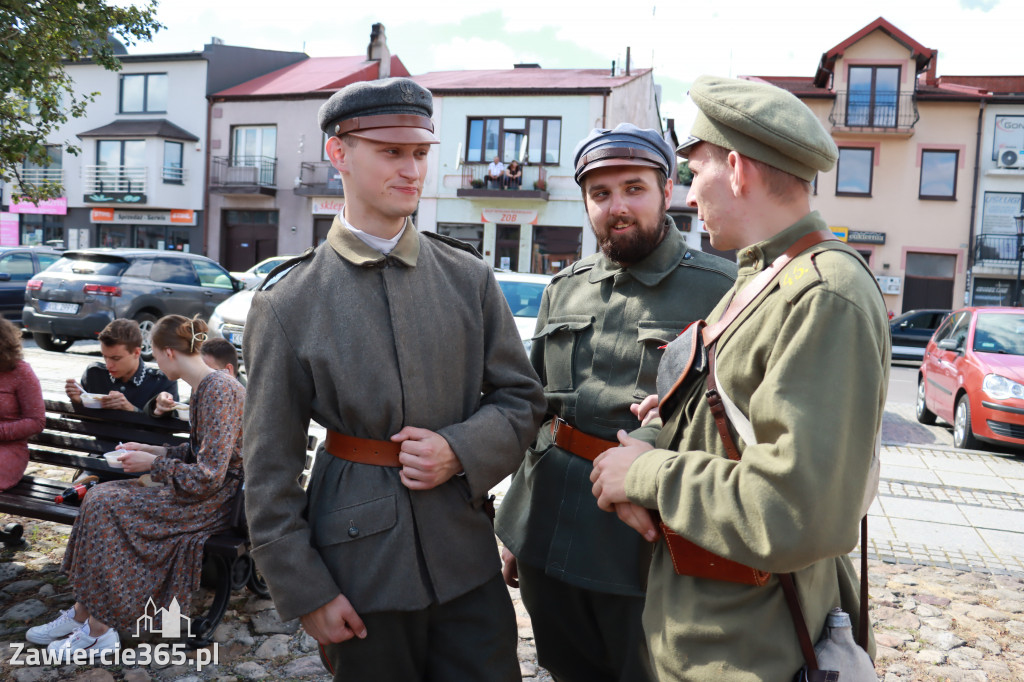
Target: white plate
(111, 458)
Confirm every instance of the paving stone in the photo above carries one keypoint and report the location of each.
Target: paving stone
(251, 671)
(1015, 628)
(928, 611)
(932, 599)
(19, 586)
(1010, 605)
(9, 570)
(275, 647)
(940, 639)
(269, 623)
(889, 639)
(37, 674)
(46, 590)
(985, 613)
(25, 611)
(930, 656)
(137, 675)
(94, 675)
(307, 666)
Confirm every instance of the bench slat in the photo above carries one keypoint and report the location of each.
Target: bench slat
(113, 433)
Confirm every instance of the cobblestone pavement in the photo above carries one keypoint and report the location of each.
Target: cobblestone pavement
(946, 573)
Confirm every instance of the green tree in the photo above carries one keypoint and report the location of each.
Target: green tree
(684, 176)
(37, 96)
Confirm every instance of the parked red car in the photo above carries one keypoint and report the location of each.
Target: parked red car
(973, 377)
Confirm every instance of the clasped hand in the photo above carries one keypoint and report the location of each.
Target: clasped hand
(426, 457)
(609, 479)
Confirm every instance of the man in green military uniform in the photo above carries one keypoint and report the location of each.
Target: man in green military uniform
(600, 330)
(403, 347)
(805, 368)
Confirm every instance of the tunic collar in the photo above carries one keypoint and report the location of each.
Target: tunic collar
(136, 379)
(655, 267)
(356, 251)
(754, 259)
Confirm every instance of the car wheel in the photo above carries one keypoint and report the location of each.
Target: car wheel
(963, 437)
(146, 322)
(924, 415)
(46, 341)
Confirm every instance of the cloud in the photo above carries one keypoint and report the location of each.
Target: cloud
(983, 5)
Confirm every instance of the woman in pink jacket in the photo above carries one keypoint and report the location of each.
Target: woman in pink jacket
(21, 406)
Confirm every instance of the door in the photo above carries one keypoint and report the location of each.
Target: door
(177, 286)
(248, 238)
(941, 374)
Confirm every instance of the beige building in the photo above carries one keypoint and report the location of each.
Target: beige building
(904, 189)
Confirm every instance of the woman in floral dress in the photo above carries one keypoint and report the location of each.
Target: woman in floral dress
(131, 543)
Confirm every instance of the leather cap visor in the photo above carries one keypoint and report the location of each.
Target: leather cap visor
(396, 128)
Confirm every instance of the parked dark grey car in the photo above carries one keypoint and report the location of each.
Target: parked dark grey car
(19, 264)
(83, 291)
(912, 330)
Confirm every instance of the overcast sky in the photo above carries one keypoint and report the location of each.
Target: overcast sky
(680, 39)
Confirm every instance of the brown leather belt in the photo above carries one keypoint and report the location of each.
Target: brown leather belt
(381, 453)
(571, 439)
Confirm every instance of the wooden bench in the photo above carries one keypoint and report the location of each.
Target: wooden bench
(75, 438)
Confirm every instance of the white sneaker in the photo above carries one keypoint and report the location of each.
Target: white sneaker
(81, 639)
(58, 628)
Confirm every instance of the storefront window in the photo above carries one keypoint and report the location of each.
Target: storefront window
(555, 248)
(42, 229)
(115, 236)
(469, 233)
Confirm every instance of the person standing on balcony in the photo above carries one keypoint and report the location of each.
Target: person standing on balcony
(401, 345)
(601, 325)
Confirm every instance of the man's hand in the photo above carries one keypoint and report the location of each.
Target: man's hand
(164, 403)
(73, 390)
(639, 519)
(610, 468)
(426, 458)
(334, 622)
(115, 400)
(509, 568)
(646, 410)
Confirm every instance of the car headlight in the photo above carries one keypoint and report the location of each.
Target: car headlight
(216, 322)
(1001, 388)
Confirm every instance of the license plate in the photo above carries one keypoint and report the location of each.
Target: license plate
(55, 307)
(235, 338)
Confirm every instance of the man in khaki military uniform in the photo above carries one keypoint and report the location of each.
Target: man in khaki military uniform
(402, 346)
(601, 327)
(806, 367)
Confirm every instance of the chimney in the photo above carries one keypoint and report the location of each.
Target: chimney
(377, 51)
(613, 68)
(627, 61)
(930, 78)
(670, 124)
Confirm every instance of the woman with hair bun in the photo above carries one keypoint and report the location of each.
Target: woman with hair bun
(132, 543)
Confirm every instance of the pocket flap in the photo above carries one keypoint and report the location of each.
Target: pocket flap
(570, 323)
(662, 332)
(356, 521)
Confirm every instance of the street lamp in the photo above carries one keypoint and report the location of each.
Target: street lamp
(1019, 219)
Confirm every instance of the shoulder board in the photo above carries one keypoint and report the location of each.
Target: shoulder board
(452, 241)
(699, 259)
(275, 275)
(580, 266)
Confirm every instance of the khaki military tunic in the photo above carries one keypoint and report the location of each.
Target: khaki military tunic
(366, 344)
(809, 367)
(600, 333)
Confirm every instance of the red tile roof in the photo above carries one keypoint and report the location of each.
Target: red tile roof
(524, 80)
(310, 76)
(999, 85)
(798, 85)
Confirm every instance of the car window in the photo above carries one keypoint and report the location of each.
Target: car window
(18, 266)
(141, 268)
(173, 271)
(523, 297)
(211, 275)
(996, 333)
(959, 333)
(47, 259)
(947, 327)
(86, 265)
(267, 267)
(922, 321)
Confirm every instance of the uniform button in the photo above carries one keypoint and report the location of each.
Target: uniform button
(353, 532)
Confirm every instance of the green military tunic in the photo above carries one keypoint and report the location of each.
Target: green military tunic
(808, 364)
(367, 344)
(600, 333)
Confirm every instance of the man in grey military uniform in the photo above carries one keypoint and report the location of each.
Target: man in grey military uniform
(600, 330)
(402, 346)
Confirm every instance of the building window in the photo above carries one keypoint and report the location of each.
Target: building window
(255, 147)
(938, 174)
(873, 98)
(122, 165)
(173, 172)
(471, 233)
(853, 173)
(529, 140)
(144, 93)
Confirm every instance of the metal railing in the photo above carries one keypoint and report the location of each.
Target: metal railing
(252, 171)
(321, 176)
(894, 110)
(39, 176)
(100, 179)
(478, 172)
(174, 174)
(996, 249)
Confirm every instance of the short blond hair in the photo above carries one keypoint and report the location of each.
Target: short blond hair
(778, 182)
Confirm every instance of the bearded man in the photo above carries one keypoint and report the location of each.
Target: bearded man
(602, 324)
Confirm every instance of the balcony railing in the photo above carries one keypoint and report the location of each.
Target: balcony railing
(114, 179)
(995, 249)
(174, 175)
(40, 176)
(319, 179)
(243, 174)
(474, 183)
(883, 110)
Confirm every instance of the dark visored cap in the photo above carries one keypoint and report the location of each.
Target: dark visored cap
(625, 145)
(762, 122)
(390, 110)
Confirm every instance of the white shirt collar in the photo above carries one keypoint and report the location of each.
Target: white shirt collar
(385, 246)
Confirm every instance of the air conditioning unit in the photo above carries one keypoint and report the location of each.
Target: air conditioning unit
(1010, 158)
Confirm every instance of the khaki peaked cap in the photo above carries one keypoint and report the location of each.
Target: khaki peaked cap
(762, 122)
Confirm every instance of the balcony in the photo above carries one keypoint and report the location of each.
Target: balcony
(996, 251)
(42, 176)
(475, 186)
(319, 179)
(114, 184)
(886, 113)
(243, 175)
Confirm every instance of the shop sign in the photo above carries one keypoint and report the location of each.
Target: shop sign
(178, 216)
(57, 206)
(862, 237)
(327, 205)
(9, 229)
(841, 233)
(510, 216)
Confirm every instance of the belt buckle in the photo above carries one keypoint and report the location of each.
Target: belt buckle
(556, 423)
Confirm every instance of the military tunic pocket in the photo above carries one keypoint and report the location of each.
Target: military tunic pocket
(355, 522)
(561, 338)
(653, 336)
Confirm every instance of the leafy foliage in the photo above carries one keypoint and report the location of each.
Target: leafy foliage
(683, 174)
(37, 96)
